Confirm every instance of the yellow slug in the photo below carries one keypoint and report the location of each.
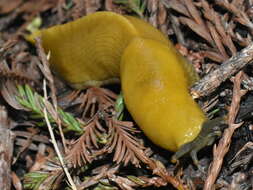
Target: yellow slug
(87, 52)
(155, 90)
(155, 78)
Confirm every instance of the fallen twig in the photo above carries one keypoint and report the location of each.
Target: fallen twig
(70, 180)
(6, 149)
(48, 75)
(220, 151)
(211, 81)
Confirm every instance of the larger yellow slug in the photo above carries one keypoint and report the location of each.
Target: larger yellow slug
(155, 78)
(93, 46)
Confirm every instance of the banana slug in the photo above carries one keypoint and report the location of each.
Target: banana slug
(87, 52)
(104, 47)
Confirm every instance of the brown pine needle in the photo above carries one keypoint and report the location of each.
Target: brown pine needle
(220, 151)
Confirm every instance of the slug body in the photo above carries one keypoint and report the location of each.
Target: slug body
(104, 46)
(155, 90)
(87, 51)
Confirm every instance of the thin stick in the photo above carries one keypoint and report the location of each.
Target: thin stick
(231, 66)
(6, 149)
(70, 180)
(224, 143)
(48, 75)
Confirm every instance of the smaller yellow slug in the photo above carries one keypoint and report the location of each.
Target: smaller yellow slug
(155, 90)
(152, 80)
(99, 48)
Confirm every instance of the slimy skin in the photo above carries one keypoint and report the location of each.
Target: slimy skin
(155, 90)
(104, 47)
(87, 51)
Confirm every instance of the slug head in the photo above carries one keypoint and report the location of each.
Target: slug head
(210, 131)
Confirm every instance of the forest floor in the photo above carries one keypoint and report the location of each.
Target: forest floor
(55, 137)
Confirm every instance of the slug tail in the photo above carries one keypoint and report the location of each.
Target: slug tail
(31, 37)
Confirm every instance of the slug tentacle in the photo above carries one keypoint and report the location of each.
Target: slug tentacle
(210, 131)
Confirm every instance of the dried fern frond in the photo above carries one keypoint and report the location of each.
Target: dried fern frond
(126, 147)
(119, 139)
(79, 154)
(86, 148)
(96, 99)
